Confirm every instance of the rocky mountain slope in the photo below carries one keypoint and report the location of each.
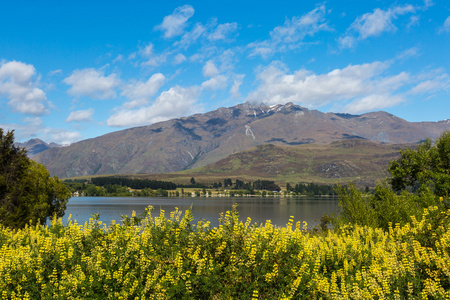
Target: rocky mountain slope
(202, 139)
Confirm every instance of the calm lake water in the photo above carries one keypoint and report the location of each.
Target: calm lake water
(278, 210)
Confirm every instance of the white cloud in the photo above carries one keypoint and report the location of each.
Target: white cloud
(174, 24)
(237, 81)
(80, 115)
(364, 86)
(428, 3)
(61, 136)
(35, 129)
(55, 72)
(446, 26)
(374, 24)
(192, 36)
(93, 83)
(175, 102)
(17, 84)
(408, 53)
(223, 31)
(210, 69)
(179, 58)
(208, 34)
(215, 83)
(139, 93)
(118, 58)
(372, 103)
(434, 83)
(413, 21)
(347, 42)
(153, 59)
(292, 33)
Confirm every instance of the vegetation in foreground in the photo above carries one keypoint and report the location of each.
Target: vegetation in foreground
(169, 258)
(392, 244)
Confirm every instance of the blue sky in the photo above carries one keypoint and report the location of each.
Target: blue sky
(72, 70)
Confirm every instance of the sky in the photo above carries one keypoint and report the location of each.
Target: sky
(73, 70)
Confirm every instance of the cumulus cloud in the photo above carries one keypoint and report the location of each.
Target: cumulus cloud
(292, 33)
(93, 83)
(61, 136)
(373, 24)
(360, 87)
(139, 93)
(174, 103)
(80, 115)
(17, 84)
(175, 23)
(210, 69)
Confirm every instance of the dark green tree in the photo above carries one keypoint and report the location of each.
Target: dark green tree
(192, 180)
(27, 192)
(426, 166)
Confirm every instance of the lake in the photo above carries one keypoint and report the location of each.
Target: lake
(277, 209)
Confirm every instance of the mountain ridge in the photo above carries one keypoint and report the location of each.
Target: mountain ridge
(201, 139)
(36, 146)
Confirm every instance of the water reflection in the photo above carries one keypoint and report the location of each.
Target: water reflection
(278, 210)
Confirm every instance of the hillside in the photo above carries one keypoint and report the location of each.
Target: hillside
(202, 139)
(362, 162)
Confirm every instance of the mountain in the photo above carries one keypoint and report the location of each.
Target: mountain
(202, 139)
(357, 160)
(36, 146)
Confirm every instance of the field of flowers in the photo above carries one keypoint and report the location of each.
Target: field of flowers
(161, 257)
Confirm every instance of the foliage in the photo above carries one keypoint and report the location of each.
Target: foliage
(155, 257)
(27, 192)
(133, 183)
(312, 189)
(428, 166)
(420, 178)
(383, 207)
(356, 208)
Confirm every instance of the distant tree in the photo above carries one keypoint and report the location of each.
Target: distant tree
(27, 192)
(288, 187)
(227, 182)
(239, 184)
(192, 180)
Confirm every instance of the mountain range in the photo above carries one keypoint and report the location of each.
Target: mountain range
(203, 139)
(36, 146)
